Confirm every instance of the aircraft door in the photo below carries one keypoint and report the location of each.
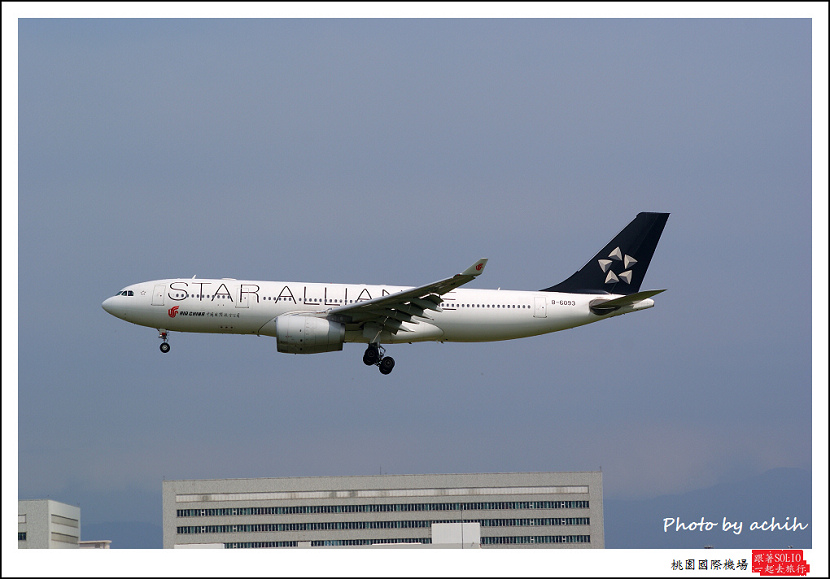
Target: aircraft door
(158, 295)
(540, 311)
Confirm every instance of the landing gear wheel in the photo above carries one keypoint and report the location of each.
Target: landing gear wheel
(165, 347)
(375, 356)
(372, 355)
(386, 365)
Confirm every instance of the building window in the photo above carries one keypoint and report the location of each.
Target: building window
(393, 507)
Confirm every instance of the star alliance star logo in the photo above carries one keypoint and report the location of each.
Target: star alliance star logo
(627, 262)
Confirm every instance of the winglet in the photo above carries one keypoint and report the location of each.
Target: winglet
(476, 268)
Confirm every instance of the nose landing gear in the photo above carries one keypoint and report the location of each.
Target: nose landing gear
(374, 356)
(164, 347)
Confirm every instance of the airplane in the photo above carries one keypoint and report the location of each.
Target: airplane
(311, 318)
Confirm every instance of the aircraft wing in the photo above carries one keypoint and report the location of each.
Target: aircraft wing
(391, 311)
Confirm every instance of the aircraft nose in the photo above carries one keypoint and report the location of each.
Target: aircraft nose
(109, 305)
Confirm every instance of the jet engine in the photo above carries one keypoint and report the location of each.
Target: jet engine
(308, 335)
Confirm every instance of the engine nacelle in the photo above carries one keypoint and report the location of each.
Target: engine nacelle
(308, 335)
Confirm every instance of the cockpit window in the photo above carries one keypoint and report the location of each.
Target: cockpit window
(125, 293)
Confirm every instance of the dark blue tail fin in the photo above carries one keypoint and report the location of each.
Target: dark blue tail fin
(621, 265)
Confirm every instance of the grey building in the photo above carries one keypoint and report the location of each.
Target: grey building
(47, 524)
(536, 509)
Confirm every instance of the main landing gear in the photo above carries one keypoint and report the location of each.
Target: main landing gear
(165, 347)
(374, 356)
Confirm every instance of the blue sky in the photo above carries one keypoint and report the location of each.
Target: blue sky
(399, 151)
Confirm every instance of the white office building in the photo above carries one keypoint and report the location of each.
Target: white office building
(509, 510)
(47, 524)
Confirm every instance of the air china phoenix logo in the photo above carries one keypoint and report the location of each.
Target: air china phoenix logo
(479, 266)
(627, 262)
(173, 311)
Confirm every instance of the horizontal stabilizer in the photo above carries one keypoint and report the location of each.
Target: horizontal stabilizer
(601, 306)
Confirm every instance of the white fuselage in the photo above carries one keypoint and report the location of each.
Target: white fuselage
(250, 307)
